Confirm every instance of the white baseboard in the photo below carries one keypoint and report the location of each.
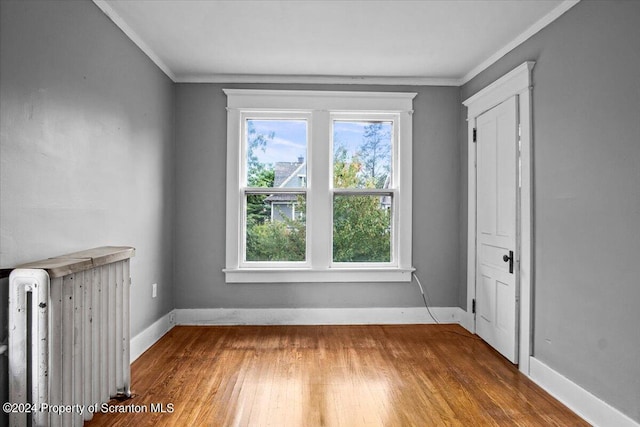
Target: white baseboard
(592, 409)
(467, 321)
(145, 339)
(316, 316)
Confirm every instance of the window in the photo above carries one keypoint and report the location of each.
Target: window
(318, 186)
(274, 151)
(362, 188)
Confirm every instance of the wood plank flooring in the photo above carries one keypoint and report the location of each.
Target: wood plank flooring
(391, 375)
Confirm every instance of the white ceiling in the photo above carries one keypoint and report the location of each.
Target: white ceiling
(368, 41)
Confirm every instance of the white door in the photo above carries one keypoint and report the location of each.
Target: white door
(496, 272)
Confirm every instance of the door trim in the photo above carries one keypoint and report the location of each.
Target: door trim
(516, 82)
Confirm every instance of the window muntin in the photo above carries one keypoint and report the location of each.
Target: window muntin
(316, 185)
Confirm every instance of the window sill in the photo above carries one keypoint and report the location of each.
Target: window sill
(295, 275)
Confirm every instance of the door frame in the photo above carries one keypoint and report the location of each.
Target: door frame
(518, 83)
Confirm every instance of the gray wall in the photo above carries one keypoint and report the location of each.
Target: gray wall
(586, 108)
(201, 138)
(87, 159)
(86, 148)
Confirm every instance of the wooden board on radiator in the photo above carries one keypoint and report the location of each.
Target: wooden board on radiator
(79, 261)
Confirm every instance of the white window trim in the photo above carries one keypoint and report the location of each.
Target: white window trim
(321, 106)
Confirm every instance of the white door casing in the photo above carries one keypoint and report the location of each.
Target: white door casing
(516, 82)
(496, 242)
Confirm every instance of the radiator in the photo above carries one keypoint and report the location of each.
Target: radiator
(69, 336)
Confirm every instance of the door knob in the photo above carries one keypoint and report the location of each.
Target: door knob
(509, 259)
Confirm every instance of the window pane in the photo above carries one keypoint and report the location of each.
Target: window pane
(276, 227)
(362, 228)
(362, 154)
(276, 151)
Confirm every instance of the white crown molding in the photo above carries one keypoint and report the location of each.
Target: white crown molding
(308, 79)
(135, 38)
(528, 33)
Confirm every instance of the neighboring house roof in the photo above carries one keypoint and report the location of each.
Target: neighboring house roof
(286, 171)
(287, 176)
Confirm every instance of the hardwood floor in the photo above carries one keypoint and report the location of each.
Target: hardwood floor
(391, 375)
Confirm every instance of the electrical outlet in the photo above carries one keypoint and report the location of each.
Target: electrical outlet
(154, 290)
(172, 318)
